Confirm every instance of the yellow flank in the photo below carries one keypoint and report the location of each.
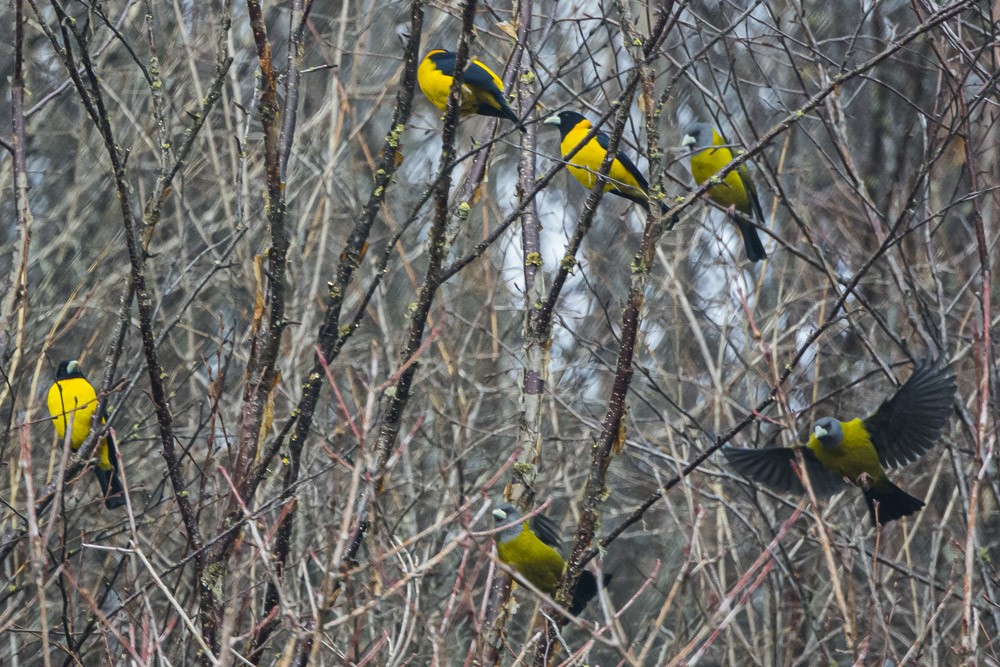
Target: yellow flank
(536, 561)
(74, 401)
(587, 162)
(707, 162)
(855, 456)
(436, 85)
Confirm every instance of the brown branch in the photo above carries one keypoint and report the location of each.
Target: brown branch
(328, 337)
(94, 103)
(607, 443)
(536, 351)
(14, 286)
(437, 250)
(296, 50)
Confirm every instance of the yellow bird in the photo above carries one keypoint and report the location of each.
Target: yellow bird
(624, 178)
(482, 90)
(736, 192)
(72, 402)
(531, 550)
(856, 452)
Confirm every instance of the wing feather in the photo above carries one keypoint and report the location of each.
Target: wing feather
(604, 141)
(772, 467)
(546, 530)
(908, 424)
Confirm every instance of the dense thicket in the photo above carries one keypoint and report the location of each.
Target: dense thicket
(332, 326)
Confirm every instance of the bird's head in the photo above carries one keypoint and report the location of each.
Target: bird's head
(697, 136)
(566, 121)
(829, 432)
(504, 514)
(69, 369)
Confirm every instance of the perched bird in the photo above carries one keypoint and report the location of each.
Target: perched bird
(857, 452)
(482, 90)
(736, 191)
(72, 402)
(531, 550)
(624, 178)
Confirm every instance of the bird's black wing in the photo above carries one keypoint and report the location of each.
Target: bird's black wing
(110, 480)
(744, 173)
(445, 62)
(476, 76)
(908, 424)
(546, 530)
(772, 467)
(605, 141)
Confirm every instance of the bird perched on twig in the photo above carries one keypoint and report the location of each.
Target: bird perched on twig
(856, 452)
(624, 178)
(72, 402)
(482, 90)
(736, 192)
(531, 550)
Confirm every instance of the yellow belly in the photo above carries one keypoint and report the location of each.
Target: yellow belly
(436, 86)
(854, 457)
(706, 163)
(536, 561)
(587, 162)
(72, 403)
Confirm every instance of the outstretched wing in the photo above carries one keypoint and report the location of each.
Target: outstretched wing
(772, 467)
(908, 424)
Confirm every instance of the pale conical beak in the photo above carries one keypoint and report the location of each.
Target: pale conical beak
(72, 366)
(499, 514)
(820, 431)
(552, 120)
(688, 140)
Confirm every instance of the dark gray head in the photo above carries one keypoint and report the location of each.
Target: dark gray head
(828, 431)
(697, 136)
(503, 514)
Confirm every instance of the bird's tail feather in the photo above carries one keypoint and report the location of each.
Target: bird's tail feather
(752, 242)
(111, 483)
(586, 590)
(509, 114)
(893, 503)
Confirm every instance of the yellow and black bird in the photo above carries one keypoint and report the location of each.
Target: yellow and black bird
(482, 90)
(736, 192)
(531, 550)
(857, 452)
(624, 178)
(72, 402)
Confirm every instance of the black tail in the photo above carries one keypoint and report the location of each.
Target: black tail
(893, 503)
(111, 483)
(586, 590)
(752, 242)
(503, 112)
